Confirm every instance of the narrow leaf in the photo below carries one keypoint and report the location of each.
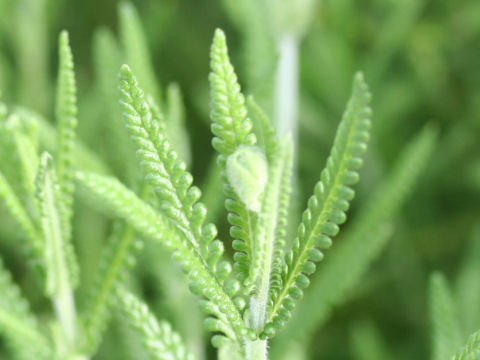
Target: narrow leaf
(232, 129)
(18, 212)
(326, 208)
(107, 60)
(116, 257)
(362, 243)
(124, 203)
(471, 350)
(17, 322)
(136, 49)
(66, 113)
(176, 127)
(159, 339)
(61, 266)
(271, 232)
(446, 338)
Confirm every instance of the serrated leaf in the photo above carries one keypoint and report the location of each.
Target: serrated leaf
(361, 243)
(18, 212)
(60, 262)
(232, 129)
(161, 342)
(270, 234)
(124, 203)
(66, 114)
(326, 208)
(471, 350)
(116, 257)
(18, 324)
(178, 200)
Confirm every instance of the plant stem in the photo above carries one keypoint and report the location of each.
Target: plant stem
(64, 305)
(257, 350)
(286, 87)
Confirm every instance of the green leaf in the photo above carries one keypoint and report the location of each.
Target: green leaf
(66, 113)
(157, 226)
(59, 255)
(136, 49)
(176, 129)
(115, 260)
(60, 262)
(360, 245)
(159, 339)
(48, 138)
(9, 158)
(280, 205)
(270, 234)
(167, 174)
(327, 206)
(27, 146)
(18, 324)
(263, 127)
(231, 125)
(178, 199)
(18, 212)
(107, 60)
(446, 338)
(471, 350)
(232, 129)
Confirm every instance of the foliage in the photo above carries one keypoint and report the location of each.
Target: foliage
(103, 204)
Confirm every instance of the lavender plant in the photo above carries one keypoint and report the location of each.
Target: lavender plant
(255, 303)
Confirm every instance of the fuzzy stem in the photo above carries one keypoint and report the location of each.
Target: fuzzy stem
(64, 305)
(286, 87)
(256, 350)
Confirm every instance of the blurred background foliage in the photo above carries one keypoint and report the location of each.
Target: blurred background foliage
(421, 59)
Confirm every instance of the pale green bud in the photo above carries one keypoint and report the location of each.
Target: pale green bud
(247, 172)
(292, 16)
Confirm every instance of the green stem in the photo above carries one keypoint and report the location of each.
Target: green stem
(64, 305)
(286, 87)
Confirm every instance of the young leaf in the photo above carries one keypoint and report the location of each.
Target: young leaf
(471, 350)
(159, 339)
(232, 129)
(270, 234)
(176, 130)
(18, 324)
(66, 113)
(48, 138)
(107, 60)
(446, 338)
(166, 174)
(18, 212)
(150, 224)
(112, 270)
(263, 127)
(61, 267)
(9, 158)
(27, 149)
(136, 49)
(326, 208)
(366, 237)
(178, 199)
